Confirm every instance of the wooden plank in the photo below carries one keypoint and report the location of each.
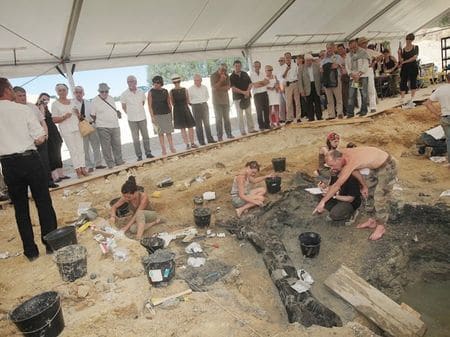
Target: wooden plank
(125, 167)
(406, 307)
(324, 123)
(375, 305)
(159, 300)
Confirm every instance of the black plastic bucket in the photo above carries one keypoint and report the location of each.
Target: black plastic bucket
(202, 216)
(273, 184)
(152, 244)
(159, 267)
(121, 211)
(40, 316)
(279, 164)
(72, 262)
(310, 244)
(61, 237)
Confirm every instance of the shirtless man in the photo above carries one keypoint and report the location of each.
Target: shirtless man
(382, 165)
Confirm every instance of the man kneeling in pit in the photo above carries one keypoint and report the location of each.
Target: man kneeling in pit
(381, 164)
(346, 201)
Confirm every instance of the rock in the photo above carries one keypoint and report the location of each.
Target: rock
(83, 291)
(93, 276)
(220, 165)
(110, 279)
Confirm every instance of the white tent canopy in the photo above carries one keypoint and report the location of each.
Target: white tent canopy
(36, 36)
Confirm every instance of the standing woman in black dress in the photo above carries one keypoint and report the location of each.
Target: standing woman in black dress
(182, 116)
(409, 69)
(54, 140)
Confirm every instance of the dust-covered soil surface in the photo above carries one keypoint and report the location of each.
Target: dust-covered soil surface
(233, 292)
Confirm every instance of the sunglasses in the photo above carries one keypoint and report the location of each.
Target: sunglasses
(104, 91)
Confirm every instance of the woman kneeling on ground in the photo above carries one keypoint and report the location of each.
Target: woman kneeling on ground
(243, 197)
(142, 216)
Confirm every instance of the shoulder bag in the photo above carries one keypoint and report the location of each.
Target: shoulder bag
(85, 128)
(119, 114)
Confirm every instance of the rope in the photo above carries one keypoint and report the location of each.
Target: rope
(37, 76)
(236, 316)
(29, 41)
(48, 323)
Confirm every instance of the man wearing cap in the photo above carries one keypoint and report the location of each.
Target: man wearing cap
(290, 77)
(22, 167)
(357, 65)
(133, 100)
(220, 84)
(106, 117)
(240, 86)
(309, 84)
(198, 97)
(259, 90)
(92, 140)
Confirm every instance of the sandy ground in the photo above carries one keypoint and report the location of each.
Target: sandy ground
(246, 304)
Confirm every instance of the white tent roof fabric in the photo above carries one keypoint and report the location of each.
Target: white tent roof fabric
(38, 35)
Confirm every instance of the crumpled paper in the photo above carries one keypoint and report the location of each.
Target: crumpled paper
(196, 261)
(194, 247)
(304, 283)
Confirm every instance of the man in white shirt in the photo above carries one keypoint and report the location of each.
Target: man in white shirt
(198, 98)
(371, 91)
(279, 74)
(91, 140)
(442, 95)
(357, 65)
(289, 75)
(133, 100)
(106, 117)
(21, 98)
(345, 79)
(22, 167)
(260, 97)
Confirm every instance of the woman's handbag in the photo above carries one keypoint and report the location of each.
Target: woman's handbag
(85, 128)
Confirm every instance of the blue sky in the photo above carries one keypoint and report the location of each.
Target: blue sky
(116, 79)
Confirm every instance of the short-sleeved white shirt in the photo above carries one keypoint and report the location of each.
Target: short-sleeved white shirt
(70, 124)
(291, 75)
(135, 104)
(198, 95)
(442, 95)
(18, 128)
(87, 108)
(256, 78)
(106, 116)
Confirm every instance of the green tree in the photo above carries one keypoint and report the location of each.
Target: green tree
(187, 70)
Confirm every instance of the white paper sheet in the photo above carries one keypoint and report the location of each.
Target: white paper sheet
(314, 190)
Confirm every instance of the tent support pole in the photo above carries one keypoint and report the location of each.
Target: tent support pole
(69, 77)
(372, 19)
(269, 23)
